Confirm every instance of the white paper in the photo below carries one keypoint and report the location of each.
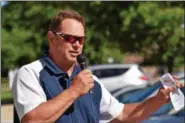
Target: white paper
(177, 97)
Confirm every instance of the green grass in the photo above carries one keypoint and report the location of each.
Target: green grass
(6, 93)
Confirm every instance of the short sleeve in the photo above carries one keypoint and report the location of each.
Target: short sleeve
(27, 92)
(110, 107)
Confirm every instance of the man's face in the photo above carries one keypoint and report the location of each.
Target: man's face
(68, 42)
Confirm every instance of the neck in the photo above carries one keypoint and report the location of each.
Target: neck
(63, 65)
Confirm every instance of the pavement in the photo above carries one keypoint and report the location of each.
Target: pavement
(7, 113)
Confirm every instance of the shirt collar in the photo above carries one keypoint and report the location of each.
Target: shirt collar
(56, 70)
(76, 70)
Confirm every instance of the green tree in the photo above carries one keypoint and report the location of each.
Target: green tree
(28, 22)
(151, 29)
(154, 30)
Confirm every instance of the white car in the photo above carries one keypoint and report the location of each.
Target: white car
(119, 78)
(180, 77)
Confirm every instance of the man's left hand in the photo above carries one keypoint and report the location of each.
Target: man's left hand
(163, 94)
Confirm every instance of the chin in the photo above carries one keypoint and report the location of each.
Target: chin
(72, 59)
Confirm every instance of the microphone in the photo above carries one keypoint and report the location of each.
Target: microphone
(82, 61)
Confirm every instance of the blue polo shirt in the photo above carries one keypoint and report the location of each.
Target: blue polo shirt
(42, 80)
(54, 81)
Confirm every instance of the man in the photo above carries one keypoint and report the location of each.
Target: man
(54, 89)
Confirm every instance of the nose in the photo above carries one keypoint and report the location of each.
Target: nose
(76, 44)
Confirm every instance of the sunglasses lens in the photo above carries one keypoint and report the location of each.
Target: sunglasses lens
(81, 40)
(71, 39)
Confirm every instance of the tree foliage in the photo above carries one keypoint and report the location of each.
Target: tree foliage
(156, 30)
(152, 29)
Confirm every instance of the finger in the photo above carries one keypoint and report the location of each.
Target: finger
(87, 77)
(177, 84)
(167, 97)
(175, 77)
(167, 91)
(182, 85)
(164, 92)
(87, 71)
(90, 75)
(91, 85)
(172, 89)
(84, 71)
(90, 80)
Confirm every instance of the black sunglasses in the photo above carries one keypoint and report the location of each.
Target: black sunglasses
(71, 38)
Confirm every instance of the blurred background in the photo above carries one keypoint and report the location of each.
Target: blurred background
(129, 45)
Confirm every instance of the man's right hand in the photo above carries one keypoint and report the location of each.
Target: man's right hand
(83, 82)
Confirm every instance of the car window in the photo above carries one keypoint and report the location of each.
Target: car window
(102, 73)
(138, 95)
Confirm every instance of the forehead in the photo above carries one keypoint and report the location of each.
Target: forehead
(72, 26)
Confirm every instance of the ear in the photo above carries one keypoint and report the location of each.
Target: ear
(51, 39)
(50, 36)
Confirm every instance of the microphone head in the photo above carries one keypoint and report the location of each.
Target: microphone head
(82, 61)
(81, 58)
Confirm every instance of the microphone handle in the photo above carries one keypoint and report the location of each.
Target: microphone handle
(83, 66)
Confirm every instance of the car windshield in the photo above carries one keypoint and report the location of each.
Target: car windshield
(138, 94)
(102, 73)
